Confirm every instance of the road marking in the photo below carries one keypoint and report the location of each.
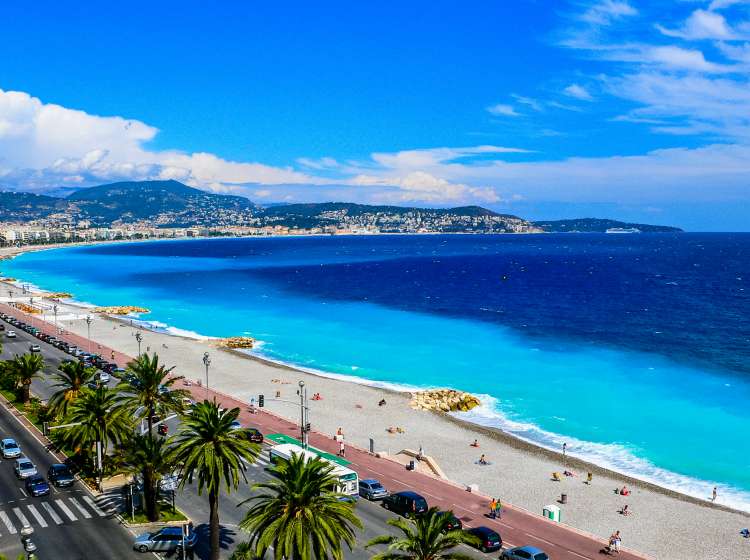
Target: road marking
(23, 491)
(52, 513)
(93, 506)
(579, 555)
(80, 508)
(540, 539)
(21, 517)
(66, 510)
(8, 524)
(37, 515)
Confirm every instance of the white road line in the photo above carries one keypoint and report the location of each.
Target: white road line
(37, 515)
(52, 513)
(80, 508)
(540, 539)
(8, 523)
(21, 517)
(23, 491)
(579, 555)
(66, 510)
(93, 506)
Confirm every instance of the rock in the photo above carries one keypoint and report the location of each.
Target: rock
(443, 400)
(121, 310)
(237, 342)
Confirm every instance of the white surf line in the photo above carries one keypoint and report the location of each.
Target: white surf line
(37, 515)
(52, 513)
(8, 523)
(66, 510)
(80, 508)
(93, 506)
(21, 517)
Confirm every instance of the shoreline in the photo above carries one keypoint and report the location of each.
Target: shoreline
(350, 385)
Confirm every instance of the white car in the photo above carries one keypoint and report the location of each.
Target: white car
(11, 334)
(104, 377)
(24, 468)
(35, 348)
(10, 448)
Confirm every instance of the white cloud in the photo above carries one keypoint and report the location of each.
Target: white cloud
(608, 11)
(702, 24)
(503, 110)
(424, 187)
(44, 144)
(578, 92)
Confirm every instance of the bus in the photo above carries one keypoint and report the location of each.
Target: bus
(348, 480)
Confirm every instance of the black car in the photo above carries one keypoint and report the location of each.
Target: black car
(489, 540)
(407, 504)
(453, 523)
(60, 475)
(37, 486)
(254, 435)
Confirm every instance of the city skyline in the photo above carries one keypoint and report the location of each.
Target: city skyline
(614, 109)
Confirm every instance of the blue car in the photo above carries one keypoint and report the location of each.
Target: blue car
(524, 553)
(371, 489)
(37, 486)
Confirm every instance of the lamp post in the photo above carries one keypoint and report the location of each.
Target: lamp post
(28, 546)
(206, 362)
(88, 329)
(303, 413)
(54, 310)
(10, 294)
(565, 459)
(31, 308)
(138, 337)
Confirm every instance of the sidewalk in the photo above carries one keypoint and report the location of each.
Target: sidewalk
(517, 527)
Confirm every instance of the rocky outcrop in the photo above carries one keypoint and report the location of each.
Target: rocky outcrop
(121, 310)
(443, 400)
(237, 342)
(27, 308)
(57, 295)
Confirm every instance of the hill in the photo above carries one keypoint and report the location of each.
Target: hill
(21, 206)
(598, 225)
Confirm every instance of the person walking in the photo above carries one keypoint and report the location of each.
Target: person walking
(498, 508)
(713, 496)
(342, 449)
(493, 508)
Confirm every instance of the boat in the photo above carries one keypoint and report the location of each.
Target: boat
(623, 230)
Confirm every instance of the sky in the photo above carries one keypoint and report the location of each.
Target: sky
(546, 109)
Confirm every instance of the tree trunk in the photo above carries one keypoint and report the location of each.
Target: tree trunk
(26, 392)
(150, 495)
(150, 420)
(213, 502)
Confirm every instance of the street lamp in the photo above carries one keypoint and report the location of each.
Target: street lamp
(89, 320)
(31, 310)
(303, 413)
(206, 362)
(565, 459)
(54, 310)
(28, 546)
(139, 337)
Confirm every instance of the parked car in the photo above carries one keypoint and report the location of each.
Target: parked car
(37, 486)
(254, 435)
(10, 448)
(35, 348)
(2, 327)
(236, 425)
(454, 523)
(11, 334)
(167, 539)
(524, 553)
(371, 489)
(407, 503)
(24, 468)
(489, 540)
(60, 475)
(104, 377)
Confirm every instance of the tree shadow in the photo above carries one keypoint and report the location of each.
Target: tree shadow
(202, 550)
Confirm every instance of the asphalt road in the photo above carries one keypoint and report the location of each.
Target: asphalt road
(373, 516)
(68, 523)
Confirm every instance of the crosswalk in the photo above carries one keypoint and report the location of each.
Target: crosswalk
(47, 512)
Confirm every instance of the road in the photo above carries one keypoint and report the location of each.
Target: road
(67, 520)
(517, 527)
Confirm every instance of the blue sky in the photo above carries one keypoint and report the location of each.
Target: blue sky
(624, 109)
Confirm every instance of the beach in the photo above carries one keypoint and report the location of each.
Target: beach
(663, 524)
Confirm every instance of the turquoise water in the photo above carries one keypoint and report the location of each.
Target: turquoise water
(677, 422)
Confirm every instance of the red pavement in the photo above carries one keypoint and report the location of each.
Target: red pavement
(517, 526)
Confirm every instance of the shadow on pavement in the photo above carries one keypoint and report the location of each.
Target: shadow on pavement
(227, 537)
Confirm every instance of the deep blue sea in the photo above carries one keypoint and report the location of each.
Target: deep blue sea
(632, 349)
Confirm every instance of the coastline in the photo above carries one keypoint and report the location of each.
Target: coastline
(174, 350)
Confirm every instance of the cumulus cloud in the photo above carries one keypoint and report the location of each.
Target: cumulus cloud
(44, 144)
(502, 110)
(578, 92)
(702, 24)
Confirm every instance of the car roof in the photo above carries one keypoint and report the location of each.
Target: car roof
(36, 478)
(9, 440)
(483, 530)
(409, 494)
(371, 481)
(23, 460)
(59, 466)
(171, 531)
(530, 549)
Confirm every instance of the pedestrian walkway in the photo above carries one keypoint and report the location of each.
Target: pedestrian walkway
(47, 512)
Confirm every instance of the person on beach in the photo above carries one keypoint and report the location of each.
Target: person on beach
(589, 478)
(713, 496)
(482, 460)
(625, 510)
(381, 402)
(624, 491)
(420, 453)
(475, 444)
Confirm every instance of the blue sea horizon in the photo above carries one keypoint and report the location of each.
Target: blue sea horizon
(633, 349)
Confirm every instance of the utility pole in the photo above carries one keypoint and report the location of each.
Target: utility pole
(303, 413)
(88, 329)
(206, 362)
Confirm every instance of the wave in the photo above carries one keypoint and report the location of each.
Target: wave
(158, 326)
(614, 457)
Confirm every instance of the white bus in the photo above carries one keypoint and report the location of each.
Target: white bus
(348, 480)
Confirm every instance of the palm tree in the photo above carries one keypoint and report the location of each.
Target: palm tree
(149, 388)
(243, 551)
(425, 537)
(27, 368)
(71, 380)
(99, 417)
(207, 447)
(151, 458)
(300, 514)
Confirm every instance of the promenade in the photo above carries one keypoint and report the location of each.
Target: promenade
(517, 526)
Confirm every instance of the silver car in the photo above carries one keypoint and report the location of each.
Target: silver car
(10, 448)
(167, 539)
(24, 468)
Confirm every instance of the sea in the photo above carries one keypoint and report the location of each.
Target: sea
(632, 349)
